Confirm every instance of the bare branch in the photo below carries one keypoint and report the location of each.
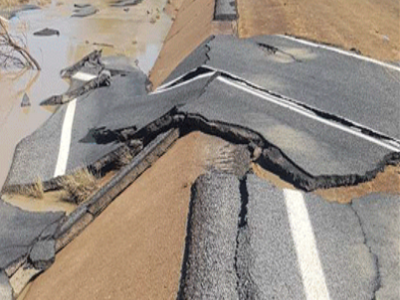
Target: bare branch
(7, 40)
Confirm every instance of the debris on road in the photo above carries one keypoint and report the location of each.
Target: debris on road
(47, 32)
(25, 101)
(85, 11)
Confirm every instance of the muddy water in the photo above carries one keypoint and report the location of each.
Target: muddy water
(137, 33)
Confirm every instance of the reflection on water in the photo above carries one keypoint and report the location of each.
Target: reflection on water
(132, 34)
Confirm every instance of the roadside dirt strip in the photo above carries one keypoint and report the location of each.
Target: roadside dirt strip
(191, 27)
(371, 27)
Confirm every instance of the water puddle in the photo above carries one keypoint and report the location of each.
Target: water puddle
(135, 32)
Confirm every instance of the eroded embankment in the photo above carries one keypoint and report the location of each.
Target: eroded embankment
(265, 154)
(146, 244)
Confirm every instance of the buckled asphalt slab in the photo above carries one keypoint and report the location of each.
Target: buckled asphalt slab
(317, 144)
(19, 230)
(356, 89)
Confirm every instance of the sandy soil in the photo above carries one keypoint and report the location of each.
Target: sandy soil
(271, 177)
(371, 26)
(386, 182)
(193, 24)
(134, 249)
(51, 201)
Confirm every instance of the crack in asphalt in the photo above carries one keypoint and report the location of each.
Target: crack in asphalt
(273, 50)
(323, 114)
(245, 286)
(375, 256)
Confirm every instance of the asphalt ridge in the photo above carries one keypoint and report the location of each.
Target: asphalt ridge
(209, 263)
(315, 147)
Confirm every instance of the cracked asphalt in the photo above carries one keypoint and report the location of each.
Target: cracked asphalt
(358, 92)
(270, 243)
(353, 252)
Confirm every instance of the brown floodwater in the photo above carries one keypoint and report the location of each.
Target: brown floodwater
(136, 34)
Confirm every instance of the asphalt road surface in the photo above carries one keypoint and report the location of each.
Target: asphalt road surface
(291, 245)
(271, 84)
(331, 113)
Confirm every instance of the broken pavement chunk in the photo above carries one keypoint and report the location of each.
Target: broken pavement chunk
(83, 5)
(43, 254)
(6, 292)
(92, 60)
(46, 32)
(122, 3)
(25, 101)
(85, 11)
(102, 80)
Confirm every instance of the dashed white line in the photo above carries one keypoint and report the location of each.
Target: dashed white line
(344, 52)
(167, 88)
(302, 111)
(307, 253)
(83, 76)
(65, 140)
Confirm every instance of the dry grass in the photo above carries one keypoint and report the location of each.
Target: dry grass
(78, 186)
(34, 190)
(123, 159)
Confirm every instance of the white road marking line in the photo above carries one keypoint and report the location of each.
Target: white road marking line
(304, 240)
(65, 140)
(83, 76)
(166, 88)
(174, 80)
(300, 110)
(344, 52)
(392, 141)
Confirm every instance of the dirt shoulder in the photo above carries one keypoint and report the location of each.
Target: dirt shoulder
(134, 249)
(193, 24)
(370, 26)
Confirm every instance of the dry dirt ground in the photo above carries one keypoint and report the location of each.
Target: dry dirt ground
(193, 24)
(371, 26)
(134, 249)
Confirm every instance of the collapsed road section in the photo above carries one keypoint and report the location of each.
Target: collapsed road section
(284, 126)
(307, 146)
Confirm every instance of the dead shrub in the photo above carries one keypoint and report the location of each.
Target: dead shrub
(78, 186)
(123, 159)
(34, 190)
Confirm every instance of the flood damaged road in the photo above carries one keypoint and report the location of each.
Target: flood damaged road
(315, 116)
(141, 32)
(322, 121)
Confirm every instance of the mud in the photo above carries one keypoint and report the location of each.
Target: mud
(52, 201)
(135, 247)
(370, 27)
(138, 39)
(271, 177)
